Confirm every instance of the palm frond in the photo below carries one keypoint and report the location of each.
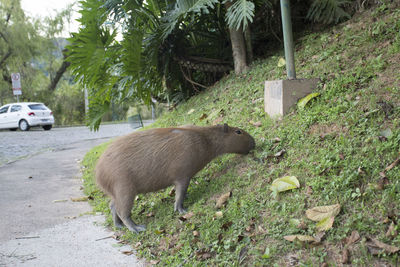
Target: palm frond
(328, 11)
(240, 14)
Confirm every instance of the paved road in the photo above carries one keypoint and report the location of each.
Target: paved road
(40, 225)
(16, 145)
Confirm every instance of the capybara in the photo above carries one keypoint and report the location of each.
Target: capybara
(150, 160)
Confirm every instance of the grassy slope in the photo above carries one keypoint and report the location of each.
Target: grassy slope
(333, 147)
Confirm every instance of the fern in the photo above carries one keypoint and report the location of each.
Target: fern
(328, 11)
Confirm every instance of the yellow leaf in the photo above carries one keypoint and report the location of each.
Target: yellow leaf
(302, 238)
(317, 214)
(285, 183)
(281, 62)
(325, 224)
(303, 102)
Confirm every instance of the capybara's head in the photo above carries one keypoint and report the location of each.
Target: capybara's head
(237, 140)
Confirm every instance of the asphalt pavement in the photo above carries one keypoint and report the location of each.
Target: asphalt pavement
(41, 225)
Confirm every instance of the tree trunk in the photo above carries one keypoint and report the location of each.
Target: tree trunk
(238, 50)
(249, 46)
(238, 47)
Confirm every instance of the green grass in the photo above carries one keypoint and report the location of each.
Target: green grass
(334, 147)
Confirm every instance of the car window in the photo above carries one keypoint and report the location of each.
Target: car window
(15, 108)
(37, 107)
(4, 109)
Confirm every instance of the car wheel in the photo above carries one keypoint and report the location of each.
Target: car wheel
(13, 129)
(23, 125)
(47, 127)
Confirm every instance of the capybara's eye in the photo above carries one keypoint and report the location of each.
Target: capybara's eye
(238, 131)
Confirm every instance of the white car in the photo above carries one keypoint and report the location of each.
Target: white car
(25, 115)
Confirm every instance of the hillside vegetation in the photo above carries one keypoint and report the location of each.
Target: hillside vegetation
(342, 148)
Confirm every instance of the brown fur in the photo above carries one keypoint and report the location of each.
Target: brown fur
(154, 159)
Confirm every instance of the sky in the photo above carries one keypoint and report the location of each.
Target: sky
(42, 8)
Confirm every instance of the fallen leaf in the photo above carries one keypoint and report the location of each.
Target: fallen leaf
(285, 183)
(150, 214)
(80, 199)
(154, 262)
(223, 199)
(202, 117)
(303, 102)
(256, 124)
(186, 216)
(280, 153)
(391, 232)
(317, 214)
(30, 177)
(219, 214)
(204, 254)
(60, 200)
(196, 233)
(127, 252)
(353, 238)
(190, 111)
(325, 224)
(375, 247)
(394, 163)
(276, 140)
(159, 232)
(319, 237)
(302, 238)
(226, 225)
(281, 62)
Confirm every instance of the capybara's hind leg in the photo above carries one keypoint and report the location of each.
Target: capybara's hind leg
(123, 207)
(117, 221)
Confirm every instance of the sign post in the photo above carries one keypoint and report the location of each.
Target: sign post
(16, 84)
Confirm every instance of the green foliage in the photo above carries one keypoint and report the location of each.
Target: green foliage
(328, 11)
(337, 147)
(240, 14)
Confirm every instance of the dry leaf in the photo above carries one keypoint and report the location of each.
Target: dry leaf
(317, 214)
(203, 116)
(127, 252)
(394, 163)
(353, 238)
(325, 224)
(391, 232)
(219, 214)
(196, 233)
(150, 214)
(302, 238)
(345, 256)
(186, 216)
(276, 140)
(223, 199)
(190, 111)
(375, 247)
(280, 153)
(60, 200)
(154, 262)
(256, 124)
(79, 199)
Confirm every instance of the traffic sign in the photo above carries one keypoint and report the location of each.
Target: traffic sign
(16, 83)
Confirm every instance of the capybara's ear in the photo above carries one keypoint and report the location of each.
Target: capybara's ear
(226, 128)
